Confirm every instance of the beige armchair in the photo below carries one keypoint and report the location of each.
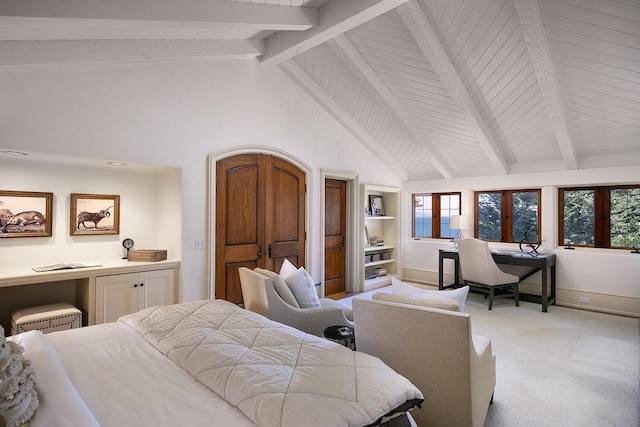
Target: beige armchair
(260, 296)
(481, 272)
(436, 351)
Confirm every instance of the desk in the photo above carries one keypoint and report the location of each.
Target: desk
(540, 262)
(22, 287)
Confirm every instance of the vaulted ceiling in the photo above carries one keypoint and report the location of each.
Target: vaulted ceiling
(435, 88)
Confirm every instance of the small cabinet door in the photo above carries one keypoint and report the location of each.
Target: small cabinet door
(116, 296)
(122, 294)
(155, 288)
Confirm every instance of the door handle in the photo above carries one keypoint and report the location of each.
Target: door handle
(259, 251)
(271, 253)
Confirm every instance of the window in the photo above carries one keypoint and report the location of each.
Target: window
(600, 217)
(508, 215)
(431, 213)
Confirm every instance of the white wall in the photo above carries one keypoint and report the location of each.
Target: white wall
(138, 191)
(608, 277)
(175, 114)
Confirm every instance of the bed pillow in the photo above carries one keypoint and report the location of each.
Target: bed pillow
(443, 304)
(280, 286)
(303, 288)
(401, 288)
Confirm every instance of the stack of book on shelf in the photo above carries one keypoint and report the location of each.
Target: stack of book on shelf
(376, 272)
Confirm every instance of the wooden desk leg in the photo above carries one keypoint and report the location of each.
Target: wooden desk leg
(544, 298)
(553, 284)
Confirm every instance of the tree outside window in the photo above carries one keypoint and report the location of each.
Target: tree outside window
(508, 215)
(601, 217)
(524, 207)
(579, 217)
(489, 208)
(625, 218)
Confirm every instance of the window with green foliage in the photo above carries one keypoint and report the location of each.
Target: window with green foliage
(507, 215)
(431, 213)
(600, 217)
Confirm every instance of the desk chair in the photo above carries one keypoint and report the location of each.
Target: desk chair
(481, 272)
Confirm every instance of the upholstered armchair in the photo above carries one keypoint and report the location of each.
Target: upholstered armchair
(435, 350)
(481, 272)
(260, 295)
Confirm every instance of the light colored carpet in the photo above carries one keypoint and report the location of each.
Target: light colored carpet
(566, 367)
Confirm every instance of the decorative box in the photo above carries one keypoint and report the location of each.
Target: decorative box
(367, 258)
(385, 256)
(375, 257)
(46, 318)
(151, 255)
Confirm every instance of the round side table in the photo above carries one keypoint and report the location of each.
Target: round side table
(342, 335)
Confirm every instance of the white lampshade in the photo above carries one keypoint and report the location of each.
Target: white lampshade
(459, 222)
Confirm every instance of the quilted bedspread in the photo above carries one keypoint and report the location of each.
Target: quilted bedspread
(275, 374)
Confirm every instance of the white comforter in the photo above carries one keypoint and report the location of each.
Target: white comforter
(108, 375)
(276, 375)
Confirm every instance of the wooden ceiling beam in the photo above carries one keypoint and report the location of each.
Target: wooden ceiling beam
(206, 12)
(535, 37)
(334, 19)
(318, 94)
(29, 52)
(419, 26)
(361, 69)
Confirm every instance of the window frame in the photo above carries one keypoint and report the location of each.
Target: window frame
(602, 215)
(435, 217)
(506, 217)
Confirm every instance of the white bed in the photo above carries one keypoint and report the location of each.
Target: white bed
(111, 375)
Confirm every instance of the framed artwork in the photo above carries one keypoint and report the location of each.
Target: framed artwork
(25, 214)
(93, 214)
(376, 204)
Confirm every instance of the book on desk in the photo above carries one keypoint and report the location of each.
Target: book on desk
(64, 266)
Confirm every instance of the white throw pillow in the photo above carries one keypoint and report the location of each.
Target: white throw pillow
(303, 288)
(287, 269)
(301, 284)
(401, 288)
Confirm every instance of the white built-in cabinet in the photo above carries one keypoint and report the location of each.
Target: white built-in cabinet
(120, 294)
(385, 226)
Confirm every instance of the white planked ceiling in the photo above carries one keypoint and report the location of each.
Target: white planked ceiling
(436, 88)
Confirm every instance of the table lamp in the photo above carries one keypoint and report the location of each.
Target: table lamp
(458, 222)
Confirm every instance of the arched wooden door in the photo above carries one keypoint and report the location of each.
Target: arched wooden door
(260, 212)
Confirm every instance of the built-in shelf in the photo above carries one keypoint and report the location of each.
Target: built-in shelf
(378, 248)
(384, 227)
(376, 283)
(381, 262)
